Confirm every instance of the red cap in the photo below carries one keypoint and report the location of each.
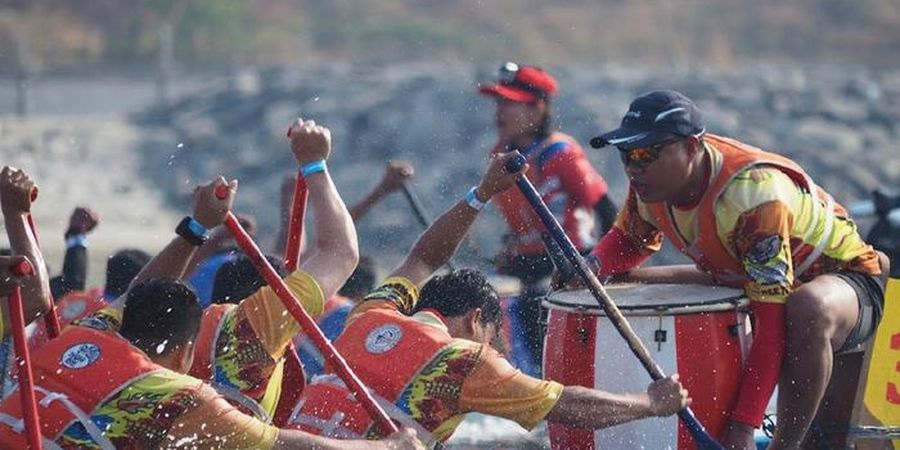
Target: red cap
(523, 84)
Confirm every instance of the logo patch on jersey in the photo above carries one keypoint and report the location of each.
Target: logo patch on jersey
(80, 356)
(765, 249)
(383, 338)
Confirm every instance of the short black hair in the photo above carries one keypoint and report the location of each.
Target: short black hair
(160, 315)
(121, 268)
(362, 280)
(236, 280)
(459, 292)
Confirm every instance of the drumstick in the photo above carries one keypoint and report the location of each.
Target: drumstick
(51, 319)
(23, 360)
(295, 227)
(701, 437)
(419, 211)
(306, 322)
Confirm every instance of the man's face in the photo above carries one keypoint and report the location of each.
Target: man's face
(664, 178)
(517, 119)
(485, 333)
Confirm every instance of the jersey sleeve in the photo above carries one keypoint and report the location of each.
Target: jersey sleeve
(497, 388)
(630, 242)
(273, 324)
(214, 423)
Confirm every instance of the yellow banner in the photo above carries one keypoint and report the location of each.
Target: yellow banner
(882, 397)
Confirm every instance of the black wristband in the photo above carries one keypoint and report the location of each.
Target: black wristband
(191, 231)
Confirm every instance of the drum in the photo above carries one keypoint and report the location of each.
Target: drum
(511, 339)
(700, 332)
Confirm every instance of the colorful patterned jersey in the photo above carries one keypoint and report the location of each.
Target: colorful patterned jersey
(463, 376)
(166, 410)
(764, 219)
(252, 339)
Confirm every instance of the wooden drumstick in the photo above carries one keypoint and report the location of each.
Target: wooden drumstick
(701, 436)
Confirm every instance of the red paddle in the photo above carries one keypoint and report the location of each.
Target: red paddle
(306, 322)
(51, 319)
(23, 360)
(295, 228)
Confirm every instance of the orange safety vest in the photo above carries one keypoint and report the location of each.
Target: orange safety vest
(386, 350)
(708, 251)
(71, 307)
(523, 222)
(74, 374)
(292, 381)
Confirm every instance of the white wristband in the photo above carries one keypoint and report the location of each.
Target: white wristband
(473, 201)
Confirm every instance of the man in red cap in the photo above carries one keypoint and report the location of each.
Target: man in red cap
(560, 170)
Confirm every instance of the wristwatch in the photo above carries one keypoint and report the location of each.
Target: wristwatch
(192, 231)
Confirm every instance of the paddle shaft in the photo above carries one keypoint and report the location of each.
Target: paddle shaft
(703, 439)
(23, 361)
(295, 227)
(51, 319)
(307, 323)
(419, 212)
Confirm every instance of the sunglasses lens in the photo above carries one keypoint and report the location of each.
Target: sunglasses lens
(637, 156)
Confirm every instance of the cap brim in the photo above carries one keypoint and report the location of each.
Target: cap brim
(507, 92)
(629, 138)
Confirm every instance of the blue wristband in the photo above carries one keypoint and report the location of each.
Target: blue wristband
(196, 228)
(473, 201)
(313, 167)
(79, 240)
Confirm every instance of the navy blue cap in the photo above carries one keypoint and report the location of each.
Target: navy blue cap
(653, 118)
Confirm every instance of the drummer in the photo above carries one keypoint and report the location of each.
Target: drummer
(754, 220)
(428, 360)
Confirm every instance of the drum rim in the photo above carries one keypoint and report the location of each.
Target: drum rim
(731, 303)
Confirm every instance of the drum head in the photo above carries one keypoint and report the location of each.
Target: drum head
(505, 286)
(652, 299)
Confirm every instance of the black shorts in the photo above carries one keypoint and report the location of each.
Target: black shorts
(870, 294)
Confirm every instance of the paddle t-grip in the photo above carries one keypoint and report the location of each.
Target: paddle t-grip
(222, 192)
(516, 163)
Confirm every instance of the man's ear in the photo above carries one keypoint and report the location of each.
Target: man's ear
(186, 356)
(473, 318)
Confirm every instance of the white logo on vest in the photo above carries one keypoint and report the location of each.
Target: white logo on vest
(383, 339)
(80, 356)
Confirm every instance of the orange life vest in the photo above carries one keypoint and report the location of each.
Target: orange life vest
(386, 350)
(74, 374)
(292, 380)
(523, 222)
(707, 250)
(71, 307)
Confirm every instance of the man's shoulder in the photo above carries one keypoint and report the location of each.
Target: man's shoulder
(398, 290)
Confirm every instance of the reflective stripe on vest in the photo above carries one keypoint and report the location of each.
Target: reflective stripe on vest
(707, 250)
(332, 428)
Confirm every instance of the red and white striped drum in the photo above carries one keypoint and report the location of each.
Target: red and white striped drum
(700, 332)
